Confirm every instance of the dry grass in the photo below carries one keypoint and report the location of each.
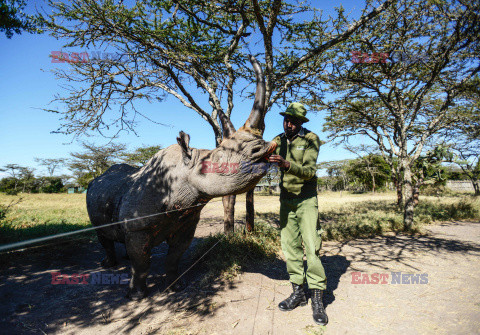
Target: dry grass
(42, 206)
(42, 214)
(238, 250)
(345, 215)
(271, 203)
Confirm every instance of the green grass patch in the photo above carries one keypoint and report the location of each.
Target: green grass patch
(361, 219)
(236, 251)
(343, 216)
(429, 211)
(373, 218)
(37, 215)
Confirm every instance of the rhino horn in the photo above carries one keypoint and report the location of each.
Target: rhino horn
(255, 122)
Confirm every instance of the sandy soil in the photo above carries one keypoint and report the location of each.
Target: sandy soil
(448, 303)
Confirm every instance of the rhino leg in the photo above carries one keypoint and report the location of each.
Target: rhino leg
(126, 254)
(110, 259)
(178, 244)
(139, 248)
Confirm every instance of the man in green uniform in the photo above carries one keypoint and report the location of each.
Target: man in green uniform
(296, 155)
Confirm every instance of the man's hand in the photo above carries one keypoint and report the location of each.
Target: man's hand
(282, 163)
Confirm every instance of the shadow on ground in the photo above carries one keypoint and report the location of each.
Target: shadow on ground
(401, 249)
(31, 304)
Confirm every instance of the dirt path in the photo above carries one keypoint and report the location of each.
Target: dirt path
(448, 303)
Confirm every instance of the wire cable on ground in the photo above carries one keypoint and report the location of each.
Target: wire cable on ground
(16, 245)
(47, 245)
(142, 313)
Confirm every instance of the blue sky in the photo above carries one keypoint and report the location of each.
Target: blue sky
(27, 86)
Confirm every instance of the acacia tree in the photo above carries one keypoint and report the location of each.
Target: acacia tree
(94, 160)
(402, 101)
(469, 161)
(273, 175)
(140, 156)
(336, 170)
(464, 140)
(51, 164)
(368, 167)
(13, 19)
(195, 51)
(14, 170)
(429, 167)
(27, 177)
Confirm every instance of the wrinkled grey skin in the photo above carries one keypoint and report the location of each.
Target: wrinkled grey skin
(173, 179)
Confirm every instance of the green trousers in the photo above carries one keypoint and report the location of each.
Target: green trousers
(299, 223)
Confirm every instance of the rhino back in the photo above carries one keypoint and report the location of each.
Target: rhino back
(161, 185)
(106, 191)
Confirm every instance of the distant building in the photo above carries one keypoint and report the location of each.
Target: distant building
(263, 186)
(460, 185)
(76, 189)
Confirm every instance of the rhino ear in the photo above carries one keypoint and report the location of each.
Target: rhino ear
(183, 141)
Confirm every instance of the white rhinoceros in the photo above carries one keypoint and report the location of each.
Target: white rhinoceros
(178, 180)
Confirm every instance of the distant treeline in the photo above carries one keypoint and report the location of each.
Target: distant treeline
(84, 167)
(12, 185)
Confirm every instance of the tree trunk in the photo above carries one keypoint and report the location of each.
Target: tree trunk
(476, 186)
(416, 194)
(250, 216)
(416, 189)
(408, 205)
(399, 194)
(229, 213)
(398, 187)
(373, 182)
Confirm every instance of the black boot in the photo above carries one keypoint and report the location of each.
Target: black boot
(297, 298)
(319, 315)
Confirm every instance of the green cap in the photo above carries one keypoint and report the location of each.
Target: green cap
(296, 110)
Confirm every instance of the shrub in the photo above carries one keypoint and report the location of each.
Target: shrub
(3, 212)
(52, 185)
(11, 192)
(427, 211)
(237, 250)
(435, 190)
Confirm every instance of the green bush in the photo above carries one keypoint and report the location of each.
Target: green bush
(355, 224)
(3, 212)
(7, 184)
(427, 211)
(11, 192)
(52, 185)
(435, 190)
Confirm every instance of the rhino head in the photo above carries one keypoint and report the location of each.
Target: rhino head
(239, 162)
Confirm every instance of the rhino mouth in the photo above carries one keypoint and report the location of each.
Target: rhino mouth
(271, 149)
